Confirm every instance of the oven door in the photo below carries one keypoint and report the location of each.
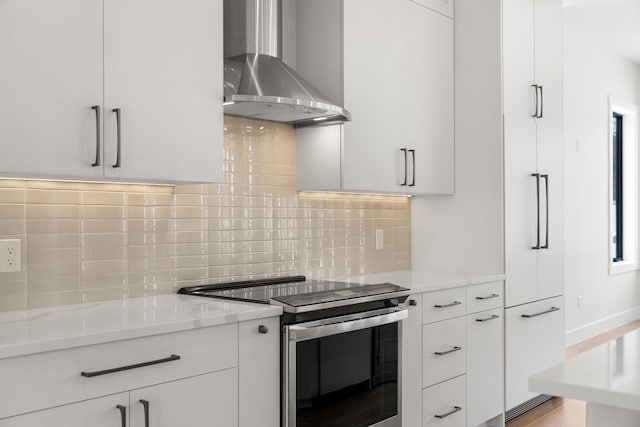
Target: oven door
(343, 371)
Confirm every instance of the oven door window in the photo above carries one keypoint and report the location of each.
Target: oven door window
(348, 380)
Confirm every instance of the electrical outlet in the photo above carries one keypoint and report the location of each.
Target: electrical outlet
(379, 239)
(10, 255)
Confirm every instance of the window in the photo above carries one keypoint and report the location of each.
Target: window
(623, 187)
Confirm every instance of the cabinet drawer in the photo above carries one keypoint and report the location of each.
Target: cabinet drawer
(444, 405)
(442, 305)
(485, 297)
(54, 378)
(534, 341)
(443, 351)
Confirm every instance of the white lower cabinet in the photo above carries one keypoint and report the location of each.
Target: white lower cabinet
(101, 412)
(444, 404)
(485, 366)
(209, 400)
(220, 376)
(453, 357)
(259, 373)
(534, 337)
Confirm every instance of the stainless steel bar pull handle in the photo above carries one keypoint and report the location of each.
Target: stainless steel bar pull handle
(486, 319)
(129, 367)
(443, 353)
(404, 183)
(413, 170)
(537, 102)
(145, 405)
(455, 409)
(118, 137)
(537, 177)
(492, 296)
(96, 108)
(551, 310)
(447, 305)
(546, 189)
(123, 415)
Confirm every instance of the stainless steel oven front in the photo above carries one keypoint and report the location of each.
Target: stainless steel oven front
(343, 371)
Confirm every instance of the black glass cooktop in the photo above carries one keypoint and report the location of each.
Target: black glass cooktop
(296, 294)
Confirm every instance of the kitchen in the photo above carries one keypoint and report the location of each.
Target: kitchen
(114, 247)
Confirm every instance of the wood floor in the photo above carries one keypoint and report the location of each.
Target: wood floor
(559, 412)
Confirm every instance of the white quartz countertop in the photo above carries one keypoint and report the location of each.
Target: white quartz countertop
(426, 281)
(39, 330)
(607, 375)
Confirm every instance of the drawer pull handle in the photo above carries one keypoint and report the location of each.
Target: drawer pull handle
(488, 297)
(413, 302)
(442, 353)
(486, 319)
(145, 405)
(453, 411)
(551, 310)
(448, 305)
(262, 329)
(126, 368)
(123, 414)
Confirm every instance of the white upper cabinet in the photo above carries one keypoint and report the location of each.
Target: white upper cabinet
(533, 149)
(163, 70)
(50, 77)
(68, 64)
(390, 63)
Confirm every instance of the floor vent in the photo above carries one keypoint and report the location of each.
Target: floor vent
(526, 406)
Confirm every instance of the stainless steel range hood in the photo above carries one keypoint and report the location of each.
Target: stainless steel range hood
(257, 83)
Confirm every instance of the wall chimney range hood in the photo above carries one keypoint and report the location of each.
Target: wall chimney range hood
(257, 83)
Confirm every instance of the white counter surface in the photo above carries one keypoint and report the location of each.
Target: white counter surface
(426, 281)
(39, 330)
(606, 375)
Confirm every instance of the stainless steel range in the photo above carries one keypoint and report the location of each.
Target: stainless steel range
(340, 348)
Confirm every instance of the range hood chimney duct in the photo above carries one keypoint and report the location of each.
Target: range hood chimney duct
(258, 84)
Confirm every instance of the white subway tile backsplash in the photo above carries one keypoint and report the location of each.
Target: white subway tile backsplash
(86, 242)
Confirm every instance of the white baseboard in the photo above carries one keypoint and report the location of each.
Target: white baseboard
(601, 326)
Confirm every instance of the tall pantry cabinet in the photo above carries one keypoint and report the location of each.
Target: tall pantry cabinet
(533, 194)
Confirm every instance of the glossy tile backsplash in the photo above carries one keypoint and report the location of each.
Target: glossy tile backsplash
(85, 242)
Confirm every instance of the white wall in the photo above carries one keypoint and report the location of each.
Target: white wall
(591, 74)
(464, 232)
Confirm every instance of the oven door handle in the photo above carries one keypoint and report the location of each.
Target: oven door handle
(335, 326)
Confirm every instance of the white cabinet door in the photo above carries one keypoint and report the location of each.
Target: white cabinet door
(441, 6)
(259, 373)
(485, 366)
(443, 350)
(429, 115)
(50, 77)
(521, 261)
(101, 412)
(412, 364)
(374, 94)
(209, 400)
(533, 344)
(163, 70)
(548, 70)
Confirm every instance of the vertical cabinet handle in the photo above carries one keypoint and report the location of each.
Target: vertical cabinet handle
(123, 415)
(541, 115)
(537, 102)
(537, 177)
(546, 189)
(96, 108)
(118, 136)
(404, 150)
(145, 405)
(413, 171)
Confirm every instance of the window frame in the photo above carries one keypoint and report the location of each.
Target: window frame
(629, 184)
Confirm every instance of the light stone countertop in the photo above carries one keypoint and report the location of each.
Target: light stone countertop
(38, 330)
(426, 281)
(607, 375)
